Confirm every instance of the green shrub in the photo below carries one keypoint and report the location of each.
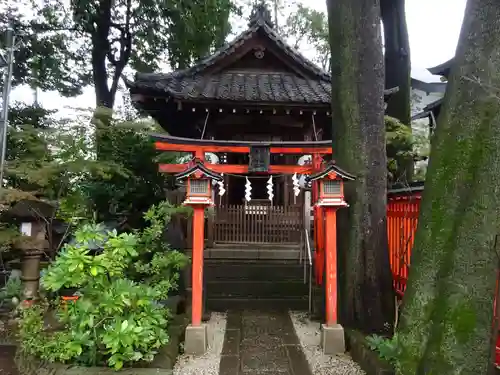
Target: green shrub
(11, 292)
(117, 319)
(387, 349)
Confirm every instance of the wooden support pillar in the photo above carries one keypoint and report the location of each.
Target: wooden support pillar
(197, 264)
(211, 224)
(331, 265)
(320, 245)
(286, 192)
(319, 234)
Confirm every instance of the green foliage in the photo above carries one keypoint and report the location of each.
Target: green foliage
(156, 264)
(11, 291)
(54, 159)
(195, 29)
(48, 156)
(135, 184)
(98, 39)
(401, 144)
(46, 159)
(387, 349)
(116, 321)
(310, 26)
(8, 235)
(44, 29)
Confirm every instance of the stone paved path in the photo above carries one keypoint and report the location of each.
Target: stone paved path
(261, 343)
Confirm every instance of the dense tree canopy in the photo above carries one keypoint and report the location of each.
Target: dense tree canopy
(97, 40)
(310, 26)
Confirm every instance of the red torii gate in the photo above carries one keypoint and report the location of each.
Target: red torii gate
(199, 198)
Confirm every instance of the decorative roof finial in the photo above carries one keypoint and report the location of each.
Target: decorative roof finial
(261, 14)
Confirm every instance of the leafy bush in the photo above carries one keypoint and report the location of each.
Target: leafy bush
(117, 320)
(387, 349)
(399, 146)
(156, 264)
(11, 292)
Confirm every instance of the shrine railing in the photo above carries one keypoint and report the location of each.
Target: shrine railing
(258, 223)
(402, 219)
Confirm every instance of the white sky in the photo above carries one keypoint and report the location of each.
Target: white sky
(434, 27)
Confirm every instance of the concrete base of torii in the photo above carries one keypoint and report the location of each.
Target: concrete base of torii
(196, 342)
(332, 339)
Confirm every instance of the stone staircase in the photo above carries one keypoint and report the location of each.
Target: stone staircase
(249, 251)
(251, 277)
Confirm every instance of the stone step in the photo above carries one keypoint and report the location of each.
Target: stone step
(231, 303)
(235, 252)
(215, 271)
(256, 289)
(257, 245)
(263, 251)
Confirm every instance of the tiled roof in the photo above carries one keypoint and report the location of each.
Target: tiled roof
(239, 86)
(259, 25)
(442, 69)
(196, 83)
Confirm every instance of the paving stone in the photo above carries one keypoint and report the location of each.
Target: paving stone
(232, 342)
(267, 345)
(264, 341)
(233, 320)
(264, 372)
(298, 360)
(264, 359)
(229, 365)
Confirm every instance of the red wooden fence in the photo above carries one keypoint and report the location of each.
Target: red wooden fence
(258, 223)
(402, 218)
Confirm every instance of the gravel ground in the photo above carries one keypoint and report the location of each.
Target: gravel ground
(207, 364)
(309, 336)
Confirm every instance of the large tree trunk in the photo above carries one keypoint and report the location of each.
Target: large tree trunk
(398, 72)
(397, 59)
(366, 293)
(448, 306)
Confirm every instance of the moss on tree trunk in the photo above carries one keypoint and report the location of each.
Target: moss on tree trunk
(447, 316)
(366, 297)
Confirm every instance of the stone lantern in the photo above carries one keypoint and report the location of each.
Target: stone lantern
(31, 217)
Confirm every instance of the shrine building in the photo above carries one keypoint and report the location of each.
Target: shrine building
(254, 119)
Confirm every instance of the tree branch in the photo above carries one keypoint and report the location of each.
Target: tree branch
(125, 50)
(100, 47)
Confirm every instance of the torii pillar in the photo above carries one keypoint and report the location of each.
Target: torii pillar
(330, 199)
(199, 196)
